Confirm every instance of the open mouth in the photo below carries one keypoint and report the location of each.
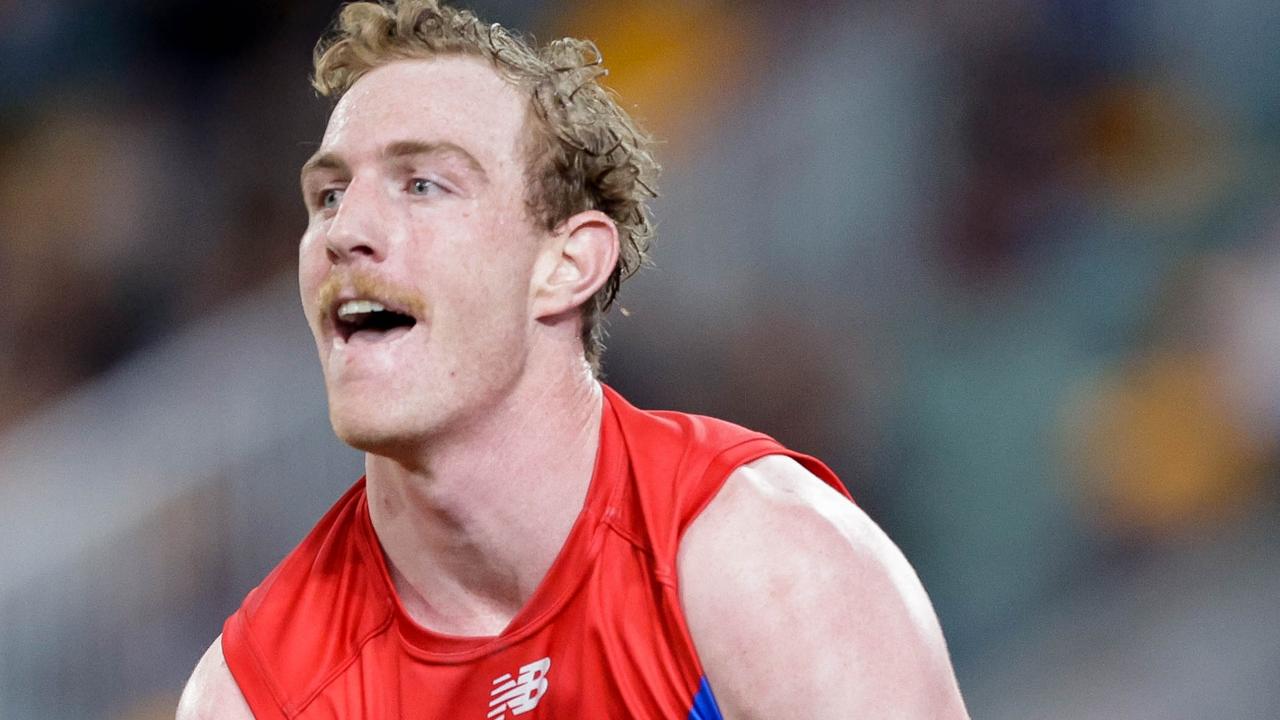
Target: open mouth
(368, 320)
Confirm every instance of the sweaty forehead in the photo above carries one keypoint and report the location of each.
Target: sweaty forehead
(456, 99)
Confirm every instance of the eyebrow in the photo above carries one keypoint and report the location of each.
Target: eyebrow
(400, 149)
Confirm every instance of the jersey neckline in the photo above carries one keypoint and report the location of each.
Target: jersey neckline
(564, 577)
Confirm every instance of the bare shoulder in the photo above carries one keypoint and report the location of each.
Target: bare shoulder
(800, 606)
(212, 693)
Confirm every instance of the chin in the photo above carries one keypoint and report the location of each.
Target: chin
(380, 434)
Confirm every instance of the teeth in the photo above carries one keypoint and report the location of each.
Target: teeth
(358, 307)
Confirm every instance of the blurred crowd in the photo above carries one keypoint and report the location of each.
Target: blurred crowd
(142, 155)
(1011, 267)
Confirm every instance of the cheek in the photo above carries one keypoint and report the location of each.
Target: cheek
(313, 253)
(310, 248)
(312, 269)
(486, 308)
(497, 263)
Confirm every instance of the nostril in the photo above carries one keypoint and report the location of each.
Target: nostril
(337, 248)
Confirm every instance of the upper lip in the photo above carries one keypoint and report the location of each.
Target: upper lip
(349, 296)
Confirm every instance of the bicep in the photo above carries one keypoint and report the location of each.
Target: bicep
(212, 693)
(800, 606)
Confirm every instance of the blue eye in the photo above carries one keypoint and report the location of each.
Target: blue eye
(422, 186)
(330, 198)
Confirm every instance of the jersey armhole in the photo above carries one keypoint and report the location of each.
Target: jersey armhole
(247, 670)
(728, 461)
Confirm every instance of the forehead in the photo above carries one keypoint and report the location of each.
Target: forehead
(454, 99)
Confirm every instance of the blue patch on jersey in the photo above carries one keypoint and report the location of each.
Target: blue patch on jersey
(704, 704)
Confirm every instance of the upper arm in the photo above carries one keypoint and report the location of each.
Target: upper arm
(212, 693)
(800, 606)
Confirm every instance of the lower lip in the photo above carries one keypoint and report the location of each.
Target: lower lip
(366, 352)
(369, 337)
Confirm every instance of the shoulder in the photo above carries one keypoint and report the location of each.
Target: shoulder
(783, 573)
(212, 693)
(310, 615)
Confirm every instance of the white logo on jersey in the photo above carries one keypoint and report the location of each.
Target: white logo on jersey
(521, 694)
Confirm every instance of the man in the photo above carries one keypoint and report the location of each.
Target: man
(525, 541)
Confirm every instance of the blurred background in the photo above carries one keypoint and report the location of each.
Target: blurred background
(1011, 267)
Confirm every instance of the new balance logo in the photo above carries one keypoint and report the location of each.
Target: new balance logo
(521, 694)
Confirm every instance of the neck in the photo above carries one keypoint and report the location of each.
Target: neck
(471, 525)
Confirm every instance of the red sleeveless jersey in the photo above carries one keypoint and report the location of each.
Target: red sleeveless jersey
(603, 636)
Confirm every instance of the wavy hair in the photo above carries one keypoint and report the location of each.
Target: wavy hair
(583, 151)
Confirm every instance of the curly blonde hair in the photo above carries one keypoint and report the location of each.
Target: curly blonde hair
(583, 151)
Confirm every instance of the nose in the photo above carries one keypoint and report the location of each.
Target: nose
(354, 231)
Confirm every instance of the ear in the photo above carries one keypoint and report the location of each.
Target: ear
(577, 260)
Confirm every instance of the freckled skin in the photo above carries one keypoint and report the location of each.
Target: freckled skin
(468, 254)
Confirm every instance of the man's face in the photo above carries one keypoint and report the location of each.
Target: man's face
(416, 205)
